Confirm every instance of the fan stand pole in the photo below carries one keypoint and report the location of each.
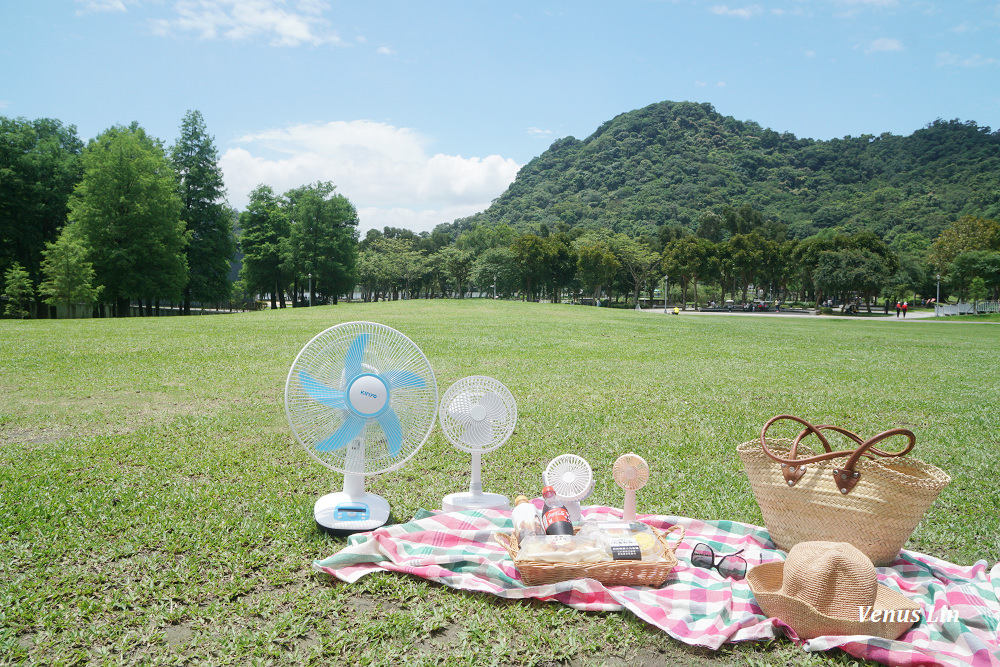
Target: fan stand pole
(629, 510)
(474, 498)
(354, 485)
(476, 485)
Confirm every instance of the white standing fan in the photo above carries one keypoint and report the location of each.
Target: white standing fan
(477, 415)
(631, 473)
(573, 480)
(361, 398)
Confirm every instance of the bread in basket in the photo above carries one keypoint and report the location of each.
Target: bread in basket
(608, 572)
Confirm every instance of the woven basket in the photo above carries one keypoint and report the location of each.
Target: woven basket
(873, 500)
(608, 572)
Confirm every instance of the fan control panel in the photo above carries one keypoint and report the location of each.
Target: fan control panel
(351, 512)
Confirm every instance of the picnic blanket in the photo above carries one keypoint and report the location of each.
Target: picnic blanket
(959, 623)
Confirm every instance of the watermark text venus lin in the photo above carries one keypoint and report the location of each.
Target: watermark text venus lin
(945, 615)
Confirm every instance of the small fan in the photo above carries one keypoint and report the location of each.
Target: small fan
(573, 480)
(361, 398)
(477, 415)
(631, 473)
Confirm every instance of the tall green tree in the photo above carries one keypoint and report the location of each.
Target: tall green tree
(642, 265)
(208, 220)
(323, 238)
(968, 233)
(18, 291)
(858, 270)
(128, 212)
(970, 266)
(495, 271)
(688, 259)
(69, 277)
(264, 234)
(532, 256)
(457, 264)
(39, 167)
(748, 254)
(561, 263)
(596, 263)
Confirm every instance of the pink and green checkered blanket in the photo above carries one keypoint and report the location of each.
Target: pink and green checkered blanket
(959, 625)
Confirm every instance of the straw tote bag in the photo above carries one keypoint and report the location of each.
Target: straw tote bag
(867, 497)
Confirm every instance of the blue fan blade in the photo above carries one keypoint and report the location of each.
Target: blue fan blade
(393, 431)
(397, 379)
(319, 392)
(343, 436)
(355, 354)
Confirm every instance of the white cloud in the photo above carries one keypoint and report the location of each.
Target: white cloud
(946, 59)
(283, 24)
(810, 53)
(385, 51)
(385, 171)
(883, 44)
(539, 132)
(738, 12)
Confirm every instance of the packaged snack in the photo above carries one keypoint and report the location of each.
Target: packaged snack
(561, 549)
(622, 540)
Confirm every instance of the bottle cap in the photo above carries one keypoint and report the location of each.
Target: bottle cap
(548, 491)
(520, 499)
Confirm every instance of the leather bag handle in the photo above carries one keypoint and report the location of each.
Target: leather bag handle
(846, 477)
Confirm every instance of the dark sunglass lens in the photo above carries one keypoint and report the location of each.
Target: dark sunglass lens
(733, 566)
(703, 556)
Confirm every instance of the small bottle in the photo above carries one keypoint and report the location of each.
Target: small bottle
(527, 519)
(555, 516)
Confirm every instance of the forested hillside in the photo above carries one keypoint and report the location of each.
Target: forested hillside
(671, 162)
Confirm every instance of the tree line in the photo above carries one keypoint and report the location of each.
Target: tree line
(736, 253)
(125, 221)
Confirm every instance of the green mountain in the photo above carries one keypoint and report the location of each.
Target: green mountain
(671, 162)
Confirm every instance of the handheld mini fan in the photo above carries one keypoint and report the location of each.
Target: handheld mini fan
(361, 398)
(631, 473)
(573, 480)
(477, 415)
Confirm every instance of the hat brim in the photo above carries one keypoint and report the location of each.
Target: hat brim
(898, 611)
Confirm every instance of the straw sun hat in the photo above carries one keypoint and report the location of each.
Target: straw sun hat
(830, 588)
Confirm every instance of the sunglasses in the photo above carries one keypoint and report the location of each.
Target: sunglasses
(732, 565)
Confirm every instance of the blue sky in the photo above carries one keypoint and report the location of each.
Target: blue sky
(422, 112)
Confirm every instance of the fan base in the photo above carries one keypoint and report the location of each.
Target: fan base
(342, 513)
(467, 500)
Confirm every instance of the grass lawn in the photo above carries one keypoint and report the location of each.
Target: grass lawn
(157, 510)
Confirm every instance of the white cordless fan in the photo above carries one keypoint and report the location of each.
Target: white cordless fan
(631, 473)
(573, 480)
(477, 415)
(361, 398)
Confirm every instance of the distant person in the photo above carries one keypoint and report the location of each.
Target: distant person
(905, 306)
(899, 308)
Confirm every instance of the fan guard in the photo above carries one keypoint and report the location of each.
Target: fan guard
(478, 414)
(357, 356)
(573, 480)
